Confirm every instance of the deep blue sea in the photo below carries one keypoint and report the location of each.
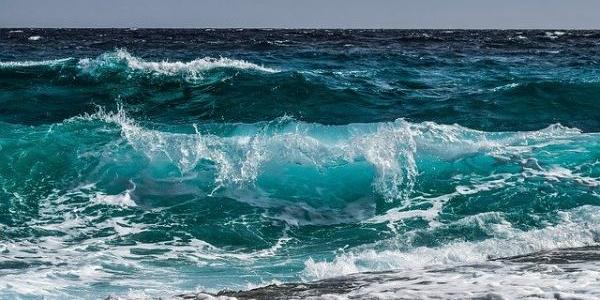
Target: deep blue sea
(155, 162)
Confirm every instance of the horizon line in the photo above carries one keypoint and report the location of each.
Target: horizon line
(305, 28)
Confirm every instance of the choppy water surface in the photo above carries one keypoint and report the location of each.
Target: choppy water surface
(144, 163)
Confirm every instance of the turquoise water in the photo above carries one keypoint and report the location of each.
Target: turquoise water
(207, 160)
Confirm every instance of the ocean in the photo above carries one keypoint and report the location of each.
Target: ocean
(323, 164)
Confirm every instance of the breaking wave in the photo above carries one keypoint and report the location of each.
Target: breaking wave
(123, 63)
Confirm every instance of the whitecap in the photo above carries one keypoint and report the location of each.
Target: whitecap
(505, 87)
(192, 69)
(123, 199)
(32, 63)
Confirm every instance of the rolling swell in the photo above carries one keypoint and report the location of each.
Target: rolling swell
(210, 89)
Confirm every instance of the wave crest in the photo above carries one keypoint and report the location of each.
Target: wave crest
(34, 63)
(115, 61)
(121, 61)
(242, 154)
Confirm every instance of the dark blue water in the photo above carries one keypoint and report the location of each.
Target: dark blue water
(153, 162)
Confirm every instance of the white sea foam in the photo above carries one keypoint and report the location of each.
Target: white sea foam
(558, 174)
(463, 270)
(482, 281)
(554, 34)
(504, 87)
(29, 63)
(75, 266)
(123, 199)
(580, 227)
(34, 38)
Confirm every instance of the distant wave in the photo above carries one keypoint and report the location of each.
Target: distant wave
(192, 69)
(34, 63)
(121, 61)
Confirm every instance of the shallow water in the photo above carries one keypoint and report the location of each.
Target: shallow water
(540, 275)
(156, 162)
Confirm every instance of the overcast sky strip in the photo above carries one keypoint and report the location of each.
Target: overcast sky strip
(565, 14)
